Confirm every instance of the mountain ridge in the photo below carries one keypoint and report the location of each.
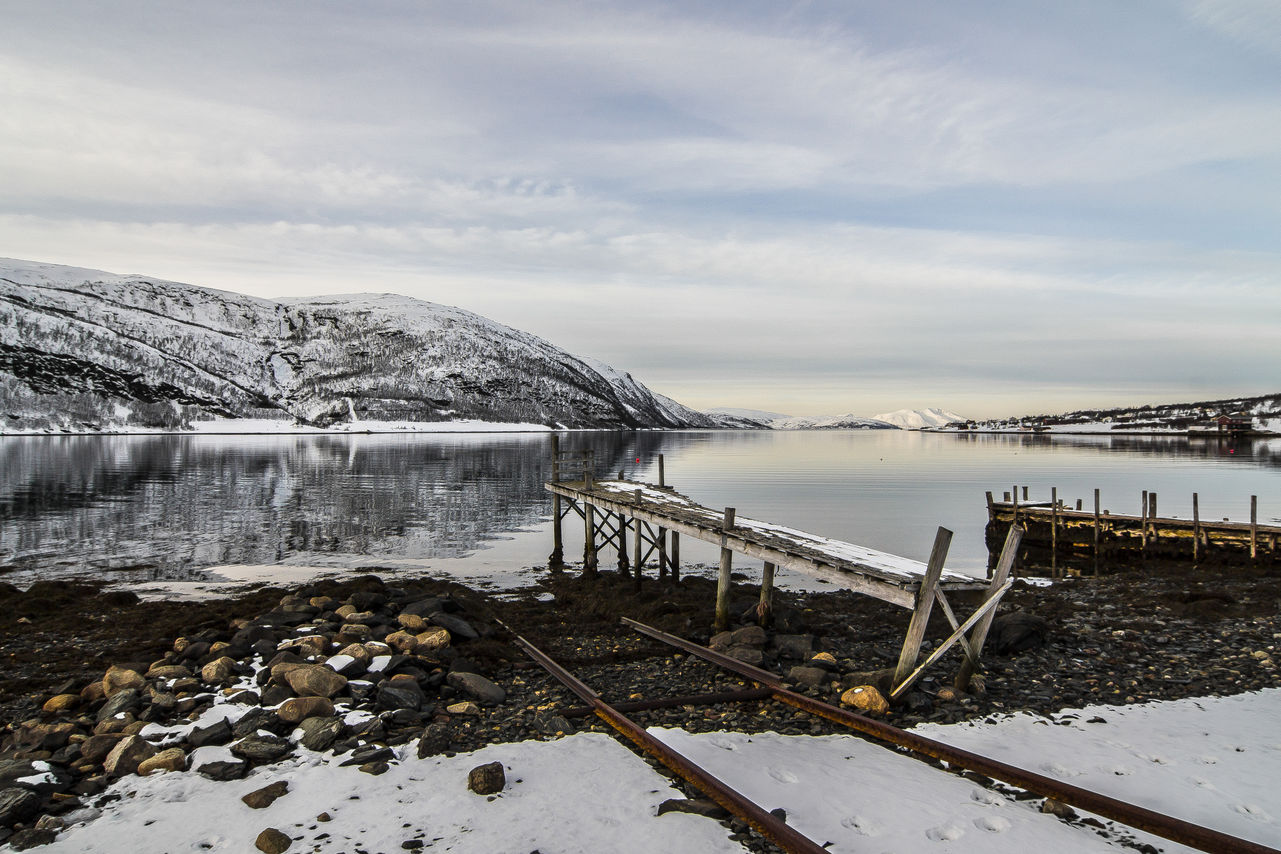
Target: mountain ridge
(86, 350)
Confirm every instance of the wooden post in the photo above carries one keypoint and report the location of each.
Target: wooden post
(924, 604)
(1016, 504)
(978, 635)
(622, 545)
(1006, 497)
(637, 543)
(1196, 528)
(1143, 522)
(1152, 516)
(991, 511)
(765, 610)
(662, 479)
(1079, 504)
(1096, 532)
(722, 581)
(589, 540)
(662, 553)
(676, 556)
(1025, 493)
(556, 560)
(1254, 527)
(1054, 531)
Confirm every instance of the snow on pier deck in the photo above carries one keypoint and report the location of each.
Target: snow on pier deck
(886, 576)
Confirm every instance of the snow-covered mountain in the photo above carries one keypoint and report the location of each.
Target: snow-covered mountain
(87, 350)
(830, 422)
(919, 419)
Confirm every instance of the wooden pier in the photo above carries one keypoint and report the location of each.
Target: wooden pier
(656, 516)
(1057, 534)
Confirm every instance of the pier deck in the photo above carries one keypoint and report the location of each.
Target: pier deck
(656, 511)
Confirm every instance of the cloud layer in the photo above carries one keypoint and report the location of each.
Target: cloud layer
(811, 210)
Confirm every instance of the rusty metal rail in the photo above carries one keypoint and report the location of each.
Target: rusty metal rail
(768, 825)
(1159, 824)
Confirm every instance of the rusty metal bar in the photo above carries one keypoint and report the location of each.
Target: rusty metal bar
(1168, 827)
(671, 702)
(771, 827)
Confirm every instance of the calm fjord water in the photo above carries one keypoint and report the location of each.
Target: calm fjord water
(169, 507)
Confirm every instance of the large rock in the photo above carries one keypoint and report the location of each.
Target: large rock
(478, 687)
(222, 772)
(172, 759)
(794, 646)
(320, 733)
(272, 841)
(400, 694)
(262, 748)
(61, 703)
(17, 805)
(35, 735)
(218, 732)
(315, 680)
(125, 757)
(431, 640)
(219, 671)
(457, 625)
(299, 709)
(260, 799)
(808, 676)
(168, 671)
(96, 747)
(487, 779)
(412, 622)
(122, 701)
(120, 678)
(866, 698)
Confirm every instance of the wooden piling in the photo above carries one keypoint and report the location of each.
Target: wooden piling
(1152, 515)
(1054, 532)
(1016, 504)
(662, 480)
(1254, 527)
(765, 610)
(637, 542)
(1025, 493)
(556, 560)
(662, 553)
(589, 540)
(978, 635)
(722, 581)
(924, 604)
(623, 565)
(1196, 528)
(676, 556)
(1096, 532)
(1079, 505)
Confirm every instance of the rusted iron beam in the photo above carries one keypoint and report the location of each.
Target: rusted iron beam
(769, 826)
(1159, 824)
(742, 696)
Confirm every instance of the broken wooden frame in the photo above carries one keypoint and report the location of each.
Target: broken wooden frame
(657, 511)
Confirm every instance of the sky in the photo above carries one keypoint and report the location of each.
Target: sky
(998, 208)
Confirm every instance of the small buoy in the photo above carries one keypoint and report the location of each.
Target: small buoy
(638, 459)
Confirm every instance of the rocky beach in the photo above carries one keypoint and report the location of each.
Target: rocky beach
(98, 686)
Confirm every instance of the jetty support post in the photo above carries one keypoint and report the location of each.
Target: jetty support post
(1152, 517)
(637, 542)
(924, 604)
(1096, 531)
(589, 540)
(1054, 532)
(675, 559)
(662, 479)
(978, 635)
(1196, 528)
(556, 560)
(662, 553)
(622, 545)
(1254, 527)
(765, 610)
(722, 581)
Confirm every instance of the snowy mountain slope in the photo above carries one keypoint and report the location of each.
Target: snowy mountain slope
(919, 419)
(831, 422)
(84, 350)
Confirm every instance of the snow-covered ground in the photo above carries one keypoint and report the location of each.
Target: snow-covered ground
(1214, 761)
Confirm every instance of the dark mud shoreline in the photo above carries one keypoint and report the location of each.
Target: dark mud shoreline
(1127, 637)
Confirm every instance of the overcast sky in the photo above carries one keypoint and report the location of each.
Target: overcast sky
(994, 207)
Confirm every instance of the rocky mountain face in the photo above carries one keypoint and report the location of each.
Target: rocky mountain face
(84, 350)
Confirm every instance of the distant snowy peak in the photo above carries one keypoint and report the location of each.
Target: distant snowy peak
(82, 350)
(919, 419)
(831, 422)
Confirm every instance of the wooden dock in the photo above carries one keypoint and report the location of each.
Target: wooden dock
(655, 516)
(1056, 533)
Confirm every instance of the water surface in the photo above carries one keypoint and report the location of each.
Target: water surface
(143, 508)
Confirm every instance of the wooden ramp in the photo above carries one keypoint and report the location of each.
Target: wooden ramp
(656, 512)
